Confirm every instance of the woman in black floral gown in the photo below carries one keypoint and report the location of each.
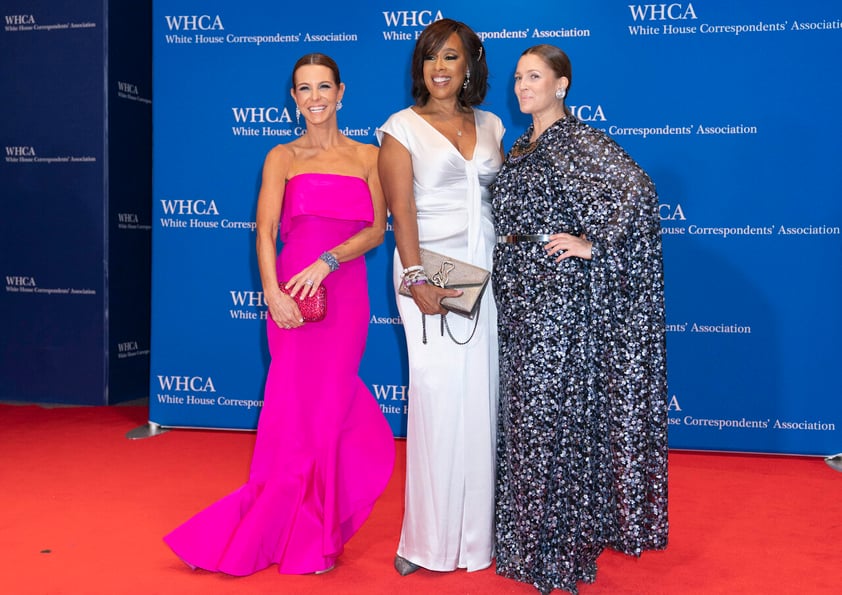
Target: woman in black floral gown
(578, 279)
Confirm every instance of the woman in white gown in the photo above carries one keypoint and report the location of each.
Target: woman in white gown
(437, 159)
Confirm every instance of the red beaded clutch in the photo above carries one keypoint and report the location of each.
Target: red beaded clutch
(313, 308)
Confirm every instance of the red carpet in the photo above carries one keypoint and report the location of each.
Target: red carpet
(83, 510)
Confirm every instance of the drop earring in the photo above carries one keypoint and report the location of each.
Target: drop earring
(297, 115)
(339, 105)
(560, 93)
(467, 79)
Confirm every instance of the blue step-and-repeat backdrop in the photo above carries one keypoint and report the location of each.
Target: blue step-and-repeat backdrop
(730, 107)
(75, 232)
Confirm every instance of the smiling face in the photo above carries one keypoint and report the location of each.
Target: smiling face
(535, 86)
(315, 92)
(444, 70)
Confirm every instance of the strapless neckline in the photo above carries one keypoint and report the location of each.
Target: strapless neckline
(326, 174)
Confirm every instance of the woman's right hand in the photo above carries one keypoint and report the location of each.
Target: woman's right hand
(428, 297)
(284, 311)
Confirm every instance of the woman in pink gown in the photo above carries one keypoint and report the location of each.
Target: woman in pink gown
(324, 451)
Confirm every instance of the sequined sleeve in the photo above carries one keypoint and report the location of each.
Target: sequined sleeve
(618, 207)
(617, 198)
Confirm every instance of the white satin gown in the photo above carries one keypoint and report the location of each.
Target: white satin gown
(449, 509)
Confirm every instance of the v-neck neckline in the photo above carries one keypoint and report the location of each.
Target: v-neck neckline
(447, 140)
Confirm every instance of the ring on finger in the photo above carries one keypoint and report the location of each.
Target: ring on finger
(308, 282)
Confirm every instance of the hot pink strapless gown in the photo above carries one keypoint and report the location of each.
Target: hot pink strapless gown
(324, 451)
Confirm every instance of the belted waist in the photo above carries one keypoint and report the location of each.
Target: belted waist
(523, 237)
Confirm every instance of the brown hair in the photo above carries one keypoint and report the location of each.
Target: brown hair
(432, 38)
(321, 60)
(555, 59)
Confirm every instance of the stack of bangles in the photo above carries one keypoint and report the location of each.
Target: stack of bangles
(413, 275)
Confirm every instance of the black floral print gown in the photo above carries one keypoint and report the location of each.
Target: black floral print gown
(582, 430)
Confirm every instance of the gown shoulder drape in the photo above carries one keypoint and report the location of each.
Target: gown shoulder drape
(582, 458)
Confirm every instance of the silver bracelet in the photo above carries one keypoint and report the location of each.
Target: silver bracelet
(330, 260)
(416, 277)
(412, 269)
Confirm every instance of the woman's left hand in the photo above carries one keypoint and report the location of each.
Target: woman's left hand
(567, 245)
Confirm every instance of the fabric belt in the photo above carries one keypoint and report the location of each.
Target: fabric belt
(523, 237)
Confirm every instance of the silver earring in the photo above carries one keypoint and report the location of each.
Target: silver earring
(467, 79)
(297, 115)
(339, 105)
(560, 93)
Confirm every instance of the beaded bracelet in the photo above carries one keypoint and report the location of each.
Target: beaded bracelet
(416, 276)
(414, 283)
(330, 260)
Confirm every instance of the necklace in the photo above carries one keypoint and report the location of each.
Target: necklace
(458, 129)
(521, 150)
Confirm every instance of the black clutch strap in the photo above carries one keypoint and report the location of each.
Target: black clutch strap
(445, 326)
